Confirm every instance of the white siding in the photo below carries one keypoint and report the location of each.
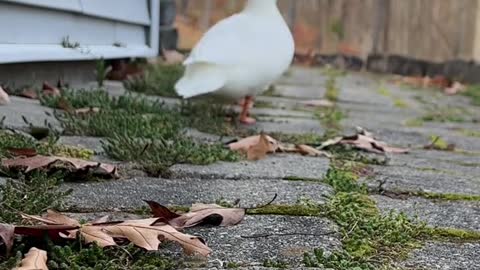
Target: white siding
(33, 30)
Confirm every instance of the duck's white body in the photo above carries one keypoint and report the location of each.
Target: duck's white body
(241, 55)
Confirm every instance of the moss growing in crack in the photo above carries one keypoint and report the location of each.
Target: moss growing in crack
(9, 140)
(288, 210)
(384, 91)
(415, 122)
(370, 239)
(31, 195)
(400, 103)
(156, 80)
(447, 196)
(331, 119)
(470, 133)
(146, 132)
(474, 93)
(446, 115)
(303, 138)
(276, 264)
(453, 234)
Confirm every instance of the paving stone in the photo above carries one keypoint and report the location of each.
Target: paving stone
(407, 179)
(281, 113)
(289, 125)
(444, 256)
(452, 214)
(31, 110)
(302, 92)
(129, 194)
(278, 238)
(273, 167)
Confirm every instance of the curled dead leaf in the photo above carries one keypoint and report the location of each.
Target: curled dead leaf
(47, 162)
(245, 144)
(7, 235)
(200, 214)
(456, 88)
(145, 233)
(307, 150)
(4, 98)
(50, 90)
(22, 152)
(260, 150)
(35, 259)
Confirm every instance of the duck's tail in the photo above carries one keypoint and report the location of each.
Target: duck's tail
(200, 79)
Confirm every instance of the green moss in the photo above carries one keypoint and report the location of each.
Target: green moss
(415, 122)
(453, 234)
(469, 133)
(276, 264)
(146, 132)
(303, 138)
(399, 103)
(446, 115)
(32, 194)
(440, 144)
(447, 196)
(384, 91)
(157, 80)
(474, 93)
(288, 210)
(232, 265)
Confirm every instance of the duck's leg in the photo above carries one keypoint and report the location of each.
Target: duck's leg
(245, 114)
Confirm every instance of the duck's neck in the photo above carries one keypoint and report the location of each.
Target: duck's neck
(260, 7)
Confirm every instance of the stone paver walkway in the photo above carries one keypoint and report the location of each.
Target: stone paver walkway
(256, 182)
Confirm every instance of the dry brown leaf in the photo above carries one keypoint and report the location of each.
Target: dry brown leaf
(200, 214)
(456, 88)
(35, 259)
(310, 151)
(50, 90)
(29, 93)
(45, 162)
(244, 145)
(146, 233)
(4, 98)
(64, 104)
(172, 57)
(260, 150)
(83, 111)
(22, 152)
(7, 235)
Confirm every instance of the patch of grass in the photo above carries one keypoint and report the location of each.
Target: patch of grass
(101, 71)
(66, 43)
(447, 196)
(384, 91)
(370, 239)
(446, 115)
(415, 122)
(148, 133)
(331, 120)
(400, 103)
(470, 133)
(157, 80)
(474, 93)
(31, 195)
(332, 91)
(49, 147)
(276, 264)
(78, 256)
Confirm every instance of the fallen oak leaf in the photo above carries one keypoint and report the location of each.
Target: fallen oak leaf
(245, 144)
(7, 236)
(50, 90)
(22, 152)
(35, 259)
(202, 214)
(260, 150)
(307, 150)
(39, 162)
(4, 98)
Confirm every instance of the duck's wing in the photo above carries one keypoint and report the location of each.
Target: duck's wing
(232, 41)
(222, 47)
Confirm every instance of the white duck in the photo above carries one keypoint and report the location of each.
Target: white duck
(240, 56)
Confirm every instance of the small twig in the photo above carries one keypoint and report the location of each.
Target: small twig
(145, 149)
(262, 206)
(266, 235)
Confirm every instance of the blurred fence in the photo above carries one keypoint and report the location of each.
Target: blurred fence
(429, 30)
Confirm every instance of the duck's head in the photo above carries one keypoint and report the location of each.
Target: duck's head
(261, 5)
